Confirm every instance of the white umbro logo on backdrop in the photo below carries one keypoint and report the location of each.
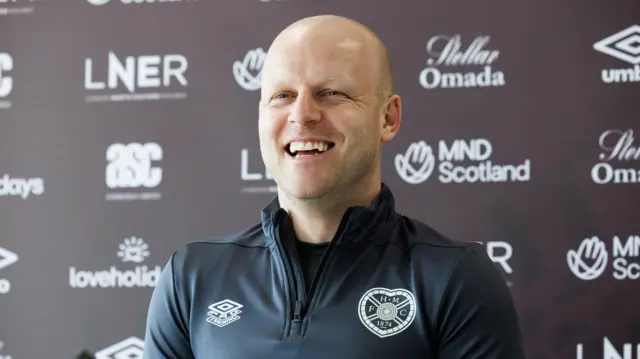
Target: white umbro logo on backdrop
(130, 348)
(624, 45)
(386, 312)
(224, 313)
(7, 258)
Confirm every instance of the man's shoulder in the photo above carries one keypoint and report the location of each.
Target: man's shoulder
(412, 232)
(248, 238)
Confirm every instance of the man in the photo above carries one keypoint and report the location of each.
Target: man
(332, 271)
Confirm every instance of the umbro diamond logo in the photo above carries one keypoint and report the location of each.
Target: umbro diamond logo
(7, 258)
(224, 313)
(624, 45)
(130, 348)
(386, 312)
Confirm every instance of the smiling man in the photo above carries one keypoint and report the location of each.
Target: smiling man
(332, 270)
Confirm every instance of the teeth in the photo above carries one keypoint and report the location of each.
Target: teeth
(308, 146)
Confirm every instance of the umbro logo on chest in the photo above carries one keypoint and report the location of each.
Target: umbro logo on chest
(224, 312)
(386, 312)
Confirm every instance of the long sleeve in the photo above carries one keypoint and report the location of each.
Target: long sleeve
(477, 316)
(166, 333)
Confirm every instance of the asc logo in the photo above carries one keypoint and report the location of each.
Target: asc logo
(131, 166)
(386, 312)
(6, 81)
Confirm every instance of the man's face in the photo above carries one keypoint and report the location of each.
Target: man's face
(320, 119)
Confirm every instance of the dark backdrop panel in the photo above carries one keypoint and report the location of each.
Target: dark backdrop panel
(105, 171)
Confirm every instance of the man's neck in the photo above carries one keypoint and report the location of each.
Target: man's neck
(318, 221)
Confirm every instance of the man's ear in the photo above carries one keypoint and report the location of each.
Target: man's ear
(392, 116)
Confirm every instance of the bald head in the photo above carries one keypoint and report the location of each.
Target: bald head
(335, 33)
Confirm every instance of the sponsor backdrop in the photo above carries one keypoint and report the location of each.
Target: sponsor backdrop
(129, 128)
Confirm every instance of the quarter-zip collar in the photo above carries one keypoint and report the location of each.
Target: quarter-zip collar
(357, 222)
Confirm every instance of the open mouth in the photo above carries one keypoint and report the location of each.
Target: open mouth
(308, 148)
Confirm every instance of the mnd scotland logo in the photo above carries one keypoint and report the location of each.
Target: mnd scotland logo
(625, 46)
(133, 250)
(447, 52)
(461, 161)
(248, 72)
(589, 261)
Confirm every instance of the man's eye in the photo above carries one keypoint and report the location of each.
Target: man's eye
(333, 93)
(281, 95)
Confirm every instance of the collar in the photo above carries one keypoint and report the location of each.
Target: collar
(358, 222)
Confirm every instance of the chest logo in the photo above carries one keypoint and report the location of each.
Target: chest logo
(386, 312)
(224, 313)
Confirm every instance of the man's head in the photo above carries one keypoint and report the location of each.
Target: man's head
(327, 106)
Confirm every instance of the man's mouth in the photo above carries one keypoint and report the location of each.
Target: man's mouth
(308, 148)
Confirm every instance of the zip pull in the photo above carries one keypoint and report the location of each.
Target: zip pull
(297, 312)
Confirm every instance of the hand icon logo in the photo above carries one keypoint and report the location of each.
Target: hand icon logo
(592, 250)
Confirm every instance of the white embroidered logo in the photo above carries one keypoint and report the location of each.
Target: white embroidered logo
(224, 313)
(386, 312)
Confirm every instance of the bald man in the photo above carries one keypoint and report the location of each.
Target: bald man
(331, 270)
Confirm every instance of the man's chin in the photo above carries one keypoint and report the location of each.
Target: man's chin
(307, 191)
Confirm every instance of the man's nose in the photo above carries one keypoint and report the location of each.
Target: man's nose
(305, 109)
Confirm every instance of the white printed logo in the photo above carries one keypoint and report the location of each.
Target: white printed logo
(131, 167)
(130, 348)
(224, 313)
(132, 250)
(500, 253)
(21, 187)
(625, 46)
(446, 50)
(138, 78)
(3, 356)
(6, 81)
(259, 178)
(127, 2)
(15, 7)
(416, 165)
(7, 258)
(248, 72)
(386, 312)
(590, 260)
(609, 351)
(618, 146)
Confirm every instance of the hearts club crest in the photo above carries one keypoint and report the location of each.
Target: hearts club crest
(386, 312)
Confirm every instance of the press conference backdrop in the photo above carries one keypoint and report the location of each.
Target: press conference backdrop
(129, 128)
